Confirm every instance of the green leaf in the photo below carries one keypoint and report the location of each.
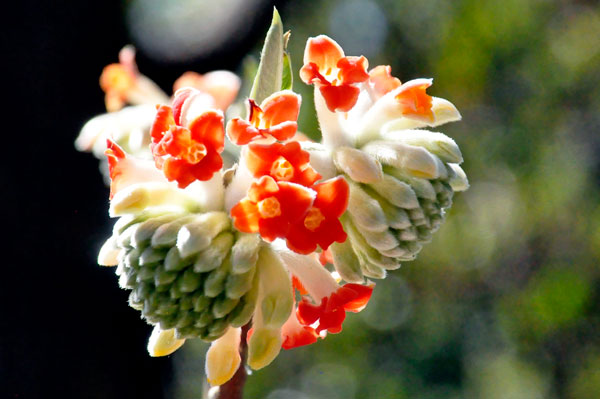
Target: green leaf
(268, 79)
(287, 79)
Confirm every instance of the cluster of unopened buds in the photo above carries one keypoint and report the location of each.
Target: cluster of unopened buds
(229, 221)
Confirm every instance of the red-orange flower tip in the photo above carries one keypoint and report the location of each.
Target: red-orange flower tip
(321, 226)
(116, 81)
(413, 99)
(336, 75)
(114, 154)
(275, 117)
(271, 208)
(283, 162)
(222, 86)
(294, 334)
(331, 312)
(187, 153)
(381, 80)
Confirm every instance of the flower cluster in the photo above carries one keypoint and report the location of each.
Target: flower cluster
(231, 220)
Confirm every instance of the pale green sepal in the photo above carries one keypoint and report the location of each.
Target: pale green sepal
(438, 143)
(346, 262)
(275, 293)
(139, 197)
(215, 282)
(287, 79)
(146, 230)
(223, 306)
(244, 253)
(264, 346)
(109, 253)
(365, 210)
(213, 256)
(166, 235)
(238, 284)
(422, 187)
(396, 217)
(268, 78)
(396, 192)
(360, 166)
(197, 235)
(413, 160)
(459, 181)
(381, 241)
(163, 342)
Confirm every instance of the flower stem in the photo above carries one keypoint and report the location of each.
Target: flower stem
(234, 388)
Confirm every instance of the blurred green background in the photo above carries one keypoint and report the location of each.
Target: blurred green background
(504, 303)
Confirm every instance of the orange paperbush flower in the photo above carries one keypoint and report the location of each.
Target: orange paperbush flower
(334, 74)
(276, 117)
(381, 80)
(331, 312)
(125, 170)
(411, 96)
(271, 208)
(321, 225)
(222, 86)
(415, 102)
(294, 334)
(187, 153)
(118, 79)
(283, 162)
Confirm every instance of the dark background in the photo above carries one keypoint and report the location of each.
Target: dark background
(504, 303)
(66, 330)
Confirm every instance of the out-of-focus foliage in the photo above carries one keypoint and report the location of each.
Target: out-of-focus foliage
(505, 302)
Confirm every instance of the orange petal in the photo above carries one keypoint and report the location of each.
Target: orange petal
(382, 81)
(332, 197)
(340, 98)
(414, 100)
(280, 107)
(245, 216)
(294, 334)
(241, 132)
(208, 130)
(323, 51)
(178, 100)
(162, 122)
(309, 73)
(283, 131)
(353, 69)
(114, 155)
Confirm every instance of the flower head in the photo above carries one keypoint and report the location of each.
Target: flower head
(275, 117)
(187, 151)
(283, 162)
(334, 74)
(321, 225)
(271, 208)
(331, 312)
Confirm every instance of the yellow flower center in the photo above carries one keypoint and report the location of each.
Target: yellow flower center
(282, 169)
(313, 219)
(269, 208)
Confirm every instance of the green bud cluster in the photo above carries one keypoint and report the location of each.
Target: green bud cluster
(395, 209)
(188, 272)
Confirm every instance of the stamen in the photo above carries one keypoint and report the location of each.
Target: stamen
(269, 208)
(282, 169)
(313, 219)
(195, 152)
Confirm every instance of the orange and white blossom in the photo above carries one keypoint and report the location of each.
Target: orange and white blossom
(285, 200)
(131, 99)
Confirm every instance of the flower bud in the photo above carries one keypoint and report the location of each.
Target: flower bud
(358, 165)
(163, 342)
(223, 357)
